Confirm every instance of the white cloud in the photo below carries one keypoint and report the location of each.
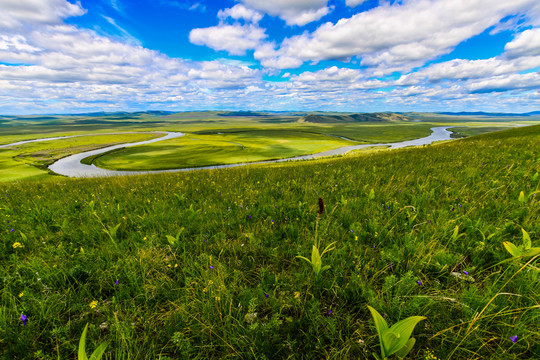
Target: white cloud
(15, 13)
(506, 83)
(526, 43)
(401, 36)
(354, 3)
(239, 11)
(294, 12)
(235, 39)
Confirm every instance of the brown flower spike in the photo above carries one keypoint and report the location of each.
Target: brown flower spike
(321, 207)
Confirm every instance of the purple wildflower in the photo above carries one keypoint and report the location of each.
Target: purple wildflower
(266, 296)
(11, 230)
(24, 320)
(116, 283)
(211, 267)
(513, 338)
(419, 283)
(465, 272)
(329, 313)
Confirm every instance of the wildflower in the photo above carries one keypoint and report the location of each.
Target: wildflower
(93, 304)
(211, 267)
(11, 230)
(321, 207)
(329, 313)
(419, 283)
(218, 298)
(17, 245)
(465, 272)
(266, 296)
(513, 338)
(356, 238)
(24, 320)
(21, 294)
(116, 283)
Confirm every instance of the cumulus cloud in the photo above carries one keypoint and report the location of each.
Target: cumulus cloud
(526, 43)
(15, 13)
(354, 3)
(294, 12)
(401, 36)
(235, 39)
(239, 11)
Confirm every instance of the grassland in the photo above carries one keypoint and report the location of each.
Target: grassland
(29, 161)
(261, 137)
(418, 232)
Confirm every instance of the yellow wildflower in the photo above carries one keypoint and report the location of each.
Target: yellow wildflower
(17, 245)
(93, 304)
(21, 294)
(218, 298)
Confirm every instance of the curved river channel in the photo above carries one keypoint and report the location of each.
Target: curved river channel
(71, 165)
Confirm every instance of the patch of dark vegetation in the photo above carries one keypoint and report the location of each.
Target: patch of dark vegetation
(363, 117)
(242, 113)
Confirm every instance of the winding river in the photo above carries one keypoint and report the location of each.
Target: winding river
(71, 165)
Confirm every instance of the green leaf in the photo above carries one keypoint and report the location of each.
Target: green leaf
(82, 345)
(316, 260)
(532, 251)
(171, 239)
(526, 240)
(404, 328)
(23, 236)
(391, 340)
(521, 198)
(401, 353)
(325, 268)
(512, 249)
(381, 325)
(371, 195)
(535, 177)
(304, 258)
(98, 353)
(328, 248)
(455, 234)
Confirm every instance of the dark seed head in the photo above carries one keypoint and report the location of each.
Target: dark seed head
(321, 206)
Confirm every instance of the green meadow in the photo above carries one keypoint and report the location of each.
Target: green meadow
(205, 265)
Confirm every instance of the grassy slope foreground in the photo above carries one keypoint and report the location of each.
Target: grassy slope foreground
(418, 232)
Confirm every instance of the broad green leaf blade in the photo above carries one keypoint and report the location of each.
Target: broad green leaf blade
(391, 340)
(521, 198)
(532, 251)
(325, 268)
(455, 234)
(82, 345)
(23, 236)
(401, 353)
(511, 248)
(380, 325)
(316, 260)
(404, 328)
(371, 195)
(526, 240)
(98, 353)
(113, 231)
(171, 239)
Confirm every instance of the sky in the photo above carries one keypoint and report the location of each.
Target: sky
(60, 56)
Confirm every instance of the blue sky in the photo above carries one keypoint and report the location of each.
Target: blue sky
(59, 56)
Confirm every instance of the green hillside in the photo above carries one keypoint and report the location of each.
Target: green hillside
(204, 265)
